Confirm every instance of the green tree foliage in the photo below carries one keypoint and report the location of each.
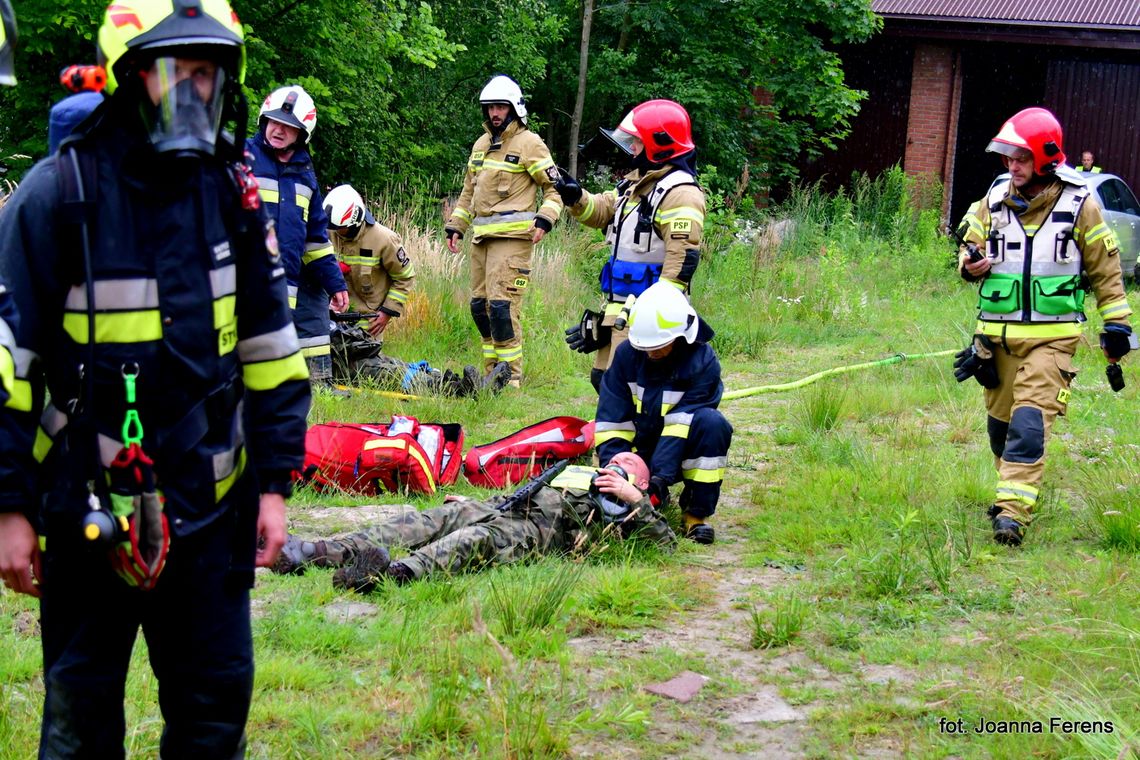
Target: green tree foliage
(396, 82)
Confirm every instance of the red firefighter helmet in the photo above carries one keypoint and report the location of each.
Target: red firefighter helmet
(1035, 130)
(663, 127)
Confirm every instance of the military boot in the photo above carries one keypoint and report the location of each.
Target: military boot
(296, 554)
(400, 573)
(365, 572)
(696, 529)
(1007, 531)
(497, 379)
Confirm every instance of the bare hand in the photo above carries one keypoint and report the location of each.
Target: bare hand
(537, 234)
(609, 482)
(271, 526)
(19, 554)
(378, 323)
(453, 242)
(454, 498)
(339, 302)
(977, 268)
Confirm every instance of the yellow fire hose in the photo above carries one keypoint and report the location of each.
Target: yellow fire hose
(779, 387)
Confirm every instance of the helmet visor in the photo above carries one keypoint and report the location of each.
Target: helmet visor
(187, 95)
(1005, 149)
(625, 136)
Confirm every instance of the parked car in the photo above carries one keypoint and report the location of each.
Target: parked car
(1121, 212)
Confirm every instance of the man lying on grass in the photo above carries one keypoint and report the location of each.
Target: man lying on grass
(562, 510)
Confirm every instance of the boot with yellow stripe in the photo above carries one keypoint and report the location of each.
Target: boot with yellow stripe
(696, 529)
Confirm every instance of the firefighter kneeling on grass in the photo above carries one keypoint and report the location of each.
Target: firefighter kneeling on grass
(1032, 242)
(381, 274)
(659, 398)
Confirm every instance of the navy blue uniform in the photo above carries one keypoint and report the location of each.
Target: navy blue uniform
(292, 198)
(188, 295)
(666, 411)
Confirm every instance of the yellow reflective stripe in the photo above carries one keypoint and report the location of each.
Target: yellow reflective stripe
(680, 212)
(1096, 233)
(223, 486)
(321, 350)
(264, 376)
(539, 166)
(21, 398)
(489, 351)
(269, 196)
(1018, 330)
(292, 302)
(704, 476)
(224, 311)
(1115, 309)
(415, 452)
(608, 435)
(7, 370)
(505, 166)
(116, 327)
(303, 204)
(677, 431)
(510, 354)
(398, 296)
(589, 210)
(976, 226)
(42, 445)
(367, 261)
(637, 404)
(463, 214)
(552, 206)
(407, 273)
(678, 285)
(482, 230)
(1011, 489)
(317, 253)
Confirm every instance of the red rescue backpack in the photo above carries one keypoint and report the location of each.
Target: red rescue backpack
(522, 455)
(370, 458)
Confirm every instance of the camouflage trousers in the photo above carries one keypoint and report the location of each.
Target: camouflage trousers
(448, 539)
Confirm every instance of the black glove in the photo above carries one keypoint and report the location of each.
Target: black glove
(448, 232)
(658, 492)
(588, 335)
(1114, 340)
(969, 363)
(543, 223)
(568, 188)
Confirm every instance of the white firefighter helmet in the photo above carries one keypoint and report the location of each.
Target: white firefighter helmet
(503, 89)
(661, 315)
(346, 209)
(292, 107)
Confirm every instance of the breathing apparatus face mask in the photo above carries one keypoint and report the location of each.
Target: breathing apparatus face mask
(184, 113)
(612, 509)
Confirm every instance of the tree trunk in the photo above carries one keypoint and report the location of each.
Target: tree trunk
(580, 101)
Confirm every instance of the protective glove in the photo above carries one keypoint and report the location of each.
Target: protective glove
(1115, 340)
(658, 492)
(568, 188)
(969, 362)
(588, 335)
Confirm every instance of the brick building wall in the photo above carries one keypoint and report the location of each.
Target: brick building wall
(935, 94)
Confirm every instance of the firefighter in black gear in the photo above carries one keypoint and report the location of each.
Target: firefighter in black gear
(153, 313)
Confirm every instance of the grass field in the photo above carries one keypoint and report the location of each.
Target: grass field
(853, 605)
